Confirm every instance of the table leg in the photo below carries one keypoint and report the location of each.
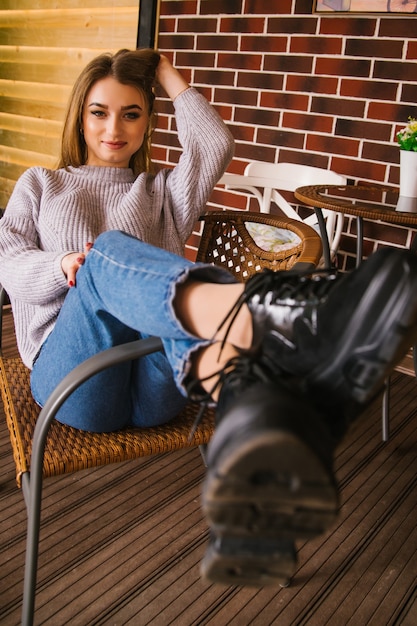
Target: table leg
(324, 238)
(359, 240)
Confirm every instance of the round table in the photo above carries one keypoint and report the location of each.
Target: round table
(371, 202)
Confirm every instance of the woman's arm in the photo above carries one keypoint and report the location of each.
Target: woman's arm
(207, 148)
(27, 272)
(170, 78)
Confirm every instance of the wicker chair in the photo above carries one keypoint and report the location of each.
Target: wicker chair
(42, 447)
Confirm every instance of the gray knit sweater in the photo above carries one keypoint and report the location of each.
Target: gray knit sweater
(54, 212)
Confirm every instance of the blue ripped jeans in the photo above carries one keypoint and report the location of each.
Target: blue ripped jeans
(125, 291)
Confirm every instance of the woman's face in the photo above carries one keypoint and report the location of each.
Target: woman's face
(115, 120)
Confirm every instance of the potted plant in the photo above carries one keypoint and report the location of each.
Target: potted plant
(407, 140)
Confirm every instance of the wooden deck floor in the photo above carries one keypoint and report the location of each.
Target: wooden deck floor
(122, 544)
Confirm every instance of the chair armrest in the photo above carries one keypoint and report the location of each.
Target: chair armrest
(84, 371)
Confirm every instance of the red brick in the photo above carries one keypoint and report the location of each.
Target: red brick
(362, 129)
(368, 88)
(166, 25)
(215, 7)
(257, 117)
(395, 70)
(332, 145)
(197, 25)
(175, 41)
(364, 27)
(292, 25)
(165, 138)
(165, 107)
(213, 77)
(264, 7)
(243, 133)
(389, 111)
(174, 156)
(216, 42)
(159, 154)
(385, 232)
(230, 199)
(312, 84)
(303, 157)
(261, 43)
(233, 96)
(398, 27)
(412, 50)
(178, 7)
(394, 176)
(381, 152)
(255, 152)
(374, 48)
(359, 168)
(260, 80)
(342, 66)
(338, 106)
(239, 61)
(318, 123)
(316, 45)
(280, 138)
(242, 24)
(302, 7)
(283, 100)
(289, 63)
(225, 112)
(195, 59)
(409, 94)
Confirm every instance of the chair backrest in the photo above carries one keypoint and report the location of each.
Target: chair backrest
(266, 180)
(245, 242)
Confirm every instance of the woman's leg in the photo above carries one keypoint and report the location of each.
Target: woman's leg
(127, 288)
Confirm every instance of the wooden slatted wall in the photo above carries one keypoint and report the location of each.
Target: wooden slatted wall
(43, 46)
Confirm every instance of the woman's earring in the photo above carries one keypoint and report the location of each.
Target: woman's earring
(81, 131)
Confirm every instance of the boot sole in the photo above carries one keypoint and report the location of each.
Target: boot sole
(241, 561)
(262, 495)
(269, 481)
(270, 486)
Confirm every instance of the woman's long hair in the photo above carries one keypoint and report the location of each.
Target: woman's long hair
(129, 67)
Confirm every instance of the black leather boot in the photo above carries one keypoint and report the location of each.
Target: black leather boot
(322, 350)
(339, 338)
(269, 479)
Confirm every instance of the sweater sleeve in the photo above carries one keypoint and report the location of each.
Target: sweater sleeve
(208, 147)
(27, 272)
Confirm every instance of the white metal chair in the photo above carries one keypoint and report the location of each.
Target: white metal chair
(266, 181)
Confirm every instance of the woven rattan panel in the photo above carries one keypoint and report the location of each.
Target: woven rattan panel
(232, 252)
(69, 449)
(226, 242)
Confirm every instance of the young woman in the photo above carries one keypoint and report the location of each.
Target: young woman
(91, 257)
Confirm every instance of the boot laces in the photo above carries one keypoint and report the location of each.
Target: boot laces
(245, 367)
(288, 287)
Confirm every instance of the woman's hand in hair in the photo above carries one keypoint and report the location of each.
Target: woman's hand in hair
(170, 78)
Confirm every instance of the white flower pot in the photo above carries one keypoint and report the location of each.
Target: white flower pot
(408, 173)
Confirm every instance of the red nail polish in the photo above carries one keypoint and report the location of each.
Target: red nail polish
(70, 283)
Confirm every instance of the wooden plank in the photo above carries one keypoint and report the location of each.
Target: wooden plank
(43, 47)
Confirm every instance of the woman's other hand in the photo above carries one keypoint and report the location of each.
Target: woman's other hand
(72, 262)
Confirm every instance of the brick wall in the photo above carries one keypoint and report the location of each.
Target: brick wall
(325, 90)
